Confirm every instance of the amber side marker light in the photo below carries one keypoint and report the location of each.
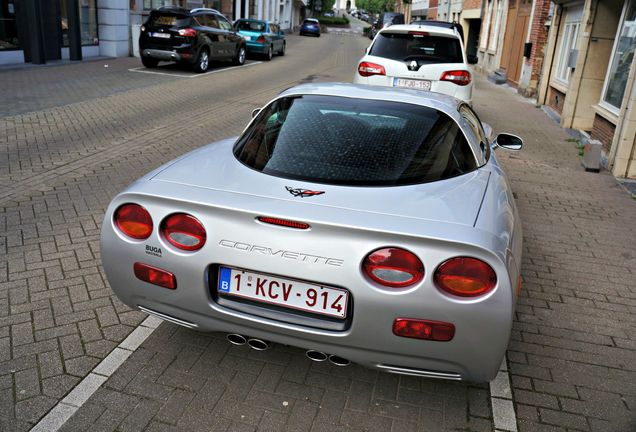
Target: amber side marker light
(423, 329)
(155, 275)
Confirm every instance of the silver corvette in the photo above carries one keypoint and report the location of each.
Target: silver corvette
(362, 224)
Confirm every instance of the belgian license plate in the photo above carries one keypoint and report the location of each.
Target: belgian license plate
(283, 292)
(411, 83)
(161, 35)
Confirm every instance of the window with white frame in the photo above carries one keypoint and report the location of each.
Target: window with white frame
(569, 41)
(485, 31)
(622, 56)
(494, 37)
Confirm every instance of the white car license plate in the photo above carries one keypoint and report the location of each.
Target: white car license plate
(247, 38)
(411, 83)
(283, 292)
(161, 35)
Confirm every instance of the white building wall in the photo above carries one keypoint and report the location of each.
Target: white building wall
(113, 17)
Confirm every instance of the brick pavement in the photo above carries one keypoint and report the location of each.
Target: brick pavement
(572, 356)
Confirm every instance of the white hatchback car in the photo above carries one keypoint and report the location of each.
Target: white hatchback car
(423, 57)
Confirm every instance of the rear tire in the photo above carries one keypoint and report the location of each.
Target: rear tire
(239, 60)
(269, 54)
(282, 50)
(203, 61)
(149, 62)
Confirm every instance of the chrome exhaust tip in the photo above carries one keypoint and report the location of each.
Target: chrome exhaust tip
(236, 339)
(317, 356)
(258, 344)
(339, 361)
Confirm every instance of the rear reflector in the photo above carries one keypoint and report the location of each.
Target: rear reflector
(367, 69)
(283, 222)
(134, 221)
(423, 329)
(393, 267)
(465, 277)
(183, 231)
(155, 275)
(459, 77)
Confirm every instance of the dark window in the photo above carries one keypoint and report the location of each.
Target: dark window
(255, 26)
(8, 28)
(159, 19)
(223, 23)
(350, 141)
(430, 49)
(88, 22)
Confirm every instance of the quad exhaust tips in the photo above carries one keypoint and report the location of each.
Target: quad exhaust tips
(319, 356)
(255, 344)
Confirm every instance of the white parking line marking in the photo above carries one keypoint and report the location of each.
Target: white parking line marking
(503, 411)
(210, 72)
(78, 396)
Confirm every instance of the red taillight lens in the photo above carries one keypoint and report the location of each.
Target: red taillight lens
(261, 39)
(134, 221)
(423, 329)
(155, 275)
(366, 69)
(465, 277)
(283, 222)
(459, 77)
(393, 267)
(188, 32)
(183, 231)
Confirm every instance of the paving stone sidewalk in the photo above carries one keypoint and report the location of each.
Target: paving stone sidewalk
(572, 356)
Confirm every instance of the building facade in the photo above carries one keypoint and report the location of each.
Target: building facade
(37, 31)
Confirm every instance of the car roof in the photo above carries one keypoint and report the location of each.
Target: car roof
(311, 19)
(252, 20)
(417, 27)
(441, 102)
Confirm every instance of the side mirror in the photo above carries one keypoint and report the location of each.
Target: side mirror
(255, 112)
(508, 141)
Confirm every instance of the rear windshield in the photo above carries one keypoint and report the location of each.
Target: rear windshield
(348, 141)
(310, 22)
(427, 49)
(251, 26)
(172, 20)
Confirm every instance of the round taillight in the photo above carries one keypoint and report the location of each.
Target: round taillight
(465, 277)
(183, 231)
(393, 267)
(134, 221)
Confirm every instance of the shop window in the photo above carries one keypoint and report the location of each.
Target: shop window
(88, 22)
(8, 28)
(188, 4)
(622, 56)
(569, 39)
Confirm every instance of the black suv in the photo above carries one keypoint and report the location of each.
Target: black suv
(195, 37)
(386, 19)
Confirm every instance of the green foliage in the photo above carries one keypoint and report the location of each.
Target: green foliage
(376, 6)
(333, 20)
(327, 5)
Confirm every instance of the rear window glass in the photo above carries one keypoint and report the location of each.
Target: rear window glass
(251, 26)
(171, 20)
(427, 49)
(348, 141)
(310, 22)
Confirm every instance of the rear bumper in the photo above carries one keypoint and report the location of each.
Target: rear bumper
(309, 31)
(168, 54)
(256, 47)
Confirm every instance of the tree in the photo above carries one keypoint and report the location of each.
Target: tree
(376, 6)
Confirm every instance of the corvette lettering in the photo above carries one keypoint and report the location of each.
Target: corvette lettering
(295, 256)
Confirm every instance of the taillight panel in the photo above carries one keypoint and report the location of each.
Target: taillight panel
(188, 32)
(183, 231)
(134, 221)
(393, 267)
(465, 277)
(459, 77)
(367, 69)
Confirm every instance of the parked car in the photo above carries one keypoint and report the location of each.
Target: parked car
(362, 224)
(262, 37)
(444, 24)
(310, 26)
(386, 19)
(330, 13)
(193, 37)
(420, 57)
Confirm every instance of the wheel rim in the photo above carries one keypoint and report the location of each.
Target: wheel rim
(242, 55)
(204, 61)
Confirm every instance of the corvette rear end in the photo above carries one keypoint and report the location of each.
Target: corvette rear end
(406, 278)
